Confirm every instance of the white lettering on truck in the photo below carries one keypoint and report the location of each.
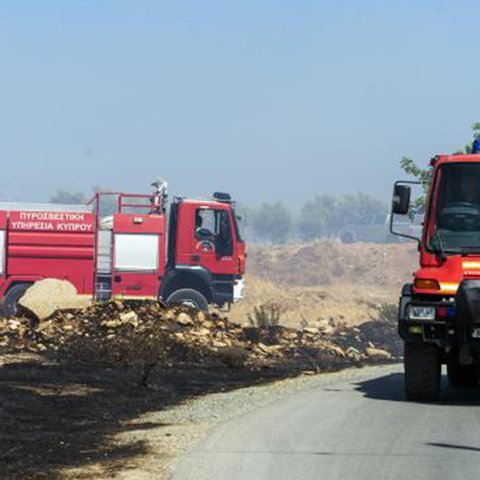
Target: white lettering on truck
(32, 226)
(53, 216)
(74, 227)
(53, 221)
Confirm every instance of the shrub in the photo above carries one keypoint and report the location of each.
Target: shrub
(266, 315)
(386, 312)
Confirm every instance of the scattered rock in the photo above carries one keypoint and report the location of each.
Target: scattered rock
(325, 326)
(337, 350)
(14, 324)
(184, 319)
(264, 348)
(201, 332)
(129, 317)
(148, 333)
(290, 335)
(378, 353)
(328, 330)
(353, 353)
(111, 323)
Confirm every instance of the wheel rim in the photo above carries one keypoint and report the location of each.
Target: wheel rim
(189, 303)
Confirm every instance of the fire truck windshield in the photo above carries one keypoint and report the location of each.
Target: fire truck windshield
(454, 226)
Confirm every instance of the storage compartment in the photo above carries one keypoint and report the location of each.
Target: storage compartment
(136, 252)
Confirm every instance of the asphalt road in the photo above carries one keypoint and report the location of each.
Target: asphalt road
(356, 427)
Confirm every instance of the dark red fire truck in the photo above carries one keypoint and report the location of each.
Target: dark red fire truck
(193, 255)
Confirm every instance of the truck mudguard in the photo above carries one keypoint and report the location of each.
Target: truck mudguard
(187, 276)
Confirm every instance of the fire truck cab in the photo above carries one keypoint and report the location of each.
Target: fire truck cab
(128, 246)
(439, 312)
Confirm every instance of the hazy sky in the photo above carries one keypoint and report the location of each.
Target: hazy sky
(267, 99)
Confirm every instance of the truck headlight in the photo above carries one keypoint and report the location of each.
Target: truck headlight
(416, 312)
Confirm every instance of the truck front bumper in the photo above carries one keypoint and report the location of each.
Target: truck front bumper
(450, 333)
(451, 323)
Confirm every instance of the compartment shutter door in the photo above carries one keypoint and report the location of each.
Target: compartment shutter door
(136, 252)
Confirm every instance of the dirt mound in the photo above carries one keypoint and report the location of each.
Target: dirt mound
(149, 335)
(327, 262)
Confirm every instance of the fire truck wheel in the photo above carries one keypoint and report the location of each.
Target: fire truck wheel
(189, 298)
(462, 376)
(11, 298)
(422, 371)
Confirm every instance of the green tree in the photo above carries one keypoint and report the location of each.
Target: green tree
(326, 215)
(315, 217)
(423, 175)
(244, 216)
(357, 209)
(476, 132)
(272, 222)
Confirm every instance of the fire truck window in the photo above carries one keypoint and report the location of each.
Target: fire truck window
(223, 234)
(455, 224)
(204, 224)
(215, 226)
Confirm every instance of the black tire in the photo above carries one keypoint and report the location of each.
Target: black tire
(422, 371)
(347, 237)
(188, 297)
(462, 376)
(9, 306)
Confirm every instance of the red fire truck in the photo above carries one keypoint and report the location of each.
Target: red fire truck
(439, 312)
(195, 257)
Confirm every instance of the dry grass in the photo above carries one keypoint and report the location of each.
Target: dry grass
(350, 283)
(331, 262)
(299, 306)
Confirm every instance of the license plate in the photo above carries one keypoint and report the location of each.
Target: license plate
(476, 333)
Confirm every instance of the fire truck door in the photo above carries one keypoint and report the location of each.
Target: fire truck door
(135, 267)
(213, 244)
(138, 259)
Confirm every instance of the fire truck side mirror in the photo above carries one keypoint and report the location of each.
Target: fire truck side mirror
(401, 199)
